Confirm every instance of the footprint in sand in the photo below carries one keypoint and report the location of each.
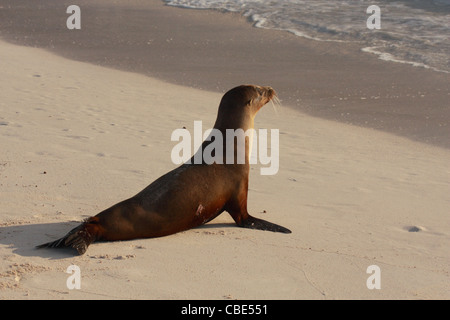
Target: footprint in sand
(413, 228)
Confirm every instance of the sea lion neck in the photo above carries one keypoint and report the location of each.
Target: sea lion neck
(231, 119)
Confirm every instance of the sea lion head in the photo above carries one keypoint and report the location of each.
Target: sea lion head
(239, 106)
(251, 97)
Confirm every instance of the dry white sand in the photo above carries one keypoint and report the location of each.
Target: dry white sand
(76, 138)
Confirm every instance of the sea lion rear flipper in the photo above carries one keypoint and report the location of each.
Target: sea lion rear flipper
(78, 238)
(255, 223)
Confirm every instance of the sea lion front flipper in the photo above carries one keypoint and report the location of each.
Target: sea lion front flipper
(255, 223)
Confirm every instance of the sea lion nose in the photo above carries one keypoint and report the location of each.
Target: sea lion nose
(270, 92)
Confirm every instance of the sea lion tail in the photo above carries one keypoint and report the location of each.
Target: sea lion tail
(260, 224)
(78, 238)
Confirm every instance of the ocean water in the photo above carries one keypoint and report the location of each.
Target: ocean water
(416, 32)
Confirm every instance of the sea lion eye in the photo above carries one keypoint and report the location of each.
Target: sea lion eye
(260, 92)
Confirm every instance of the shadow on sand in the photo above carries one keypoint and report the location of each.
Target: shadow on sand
(24, 238)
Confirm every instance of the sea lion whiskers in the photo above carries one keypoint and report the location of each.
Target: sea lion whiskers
(271, 95)
(276, 103)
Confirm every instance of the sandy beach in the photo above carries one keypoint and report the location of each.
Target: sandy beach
(86, 122)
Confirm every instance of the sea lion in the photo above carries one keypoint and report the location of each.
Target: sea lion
(188, 196)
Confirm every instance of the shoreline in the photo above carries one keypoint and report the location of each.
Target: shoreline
(215, 51)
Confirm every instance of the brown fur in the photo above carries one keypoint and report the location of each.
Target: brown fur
(187, 196)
